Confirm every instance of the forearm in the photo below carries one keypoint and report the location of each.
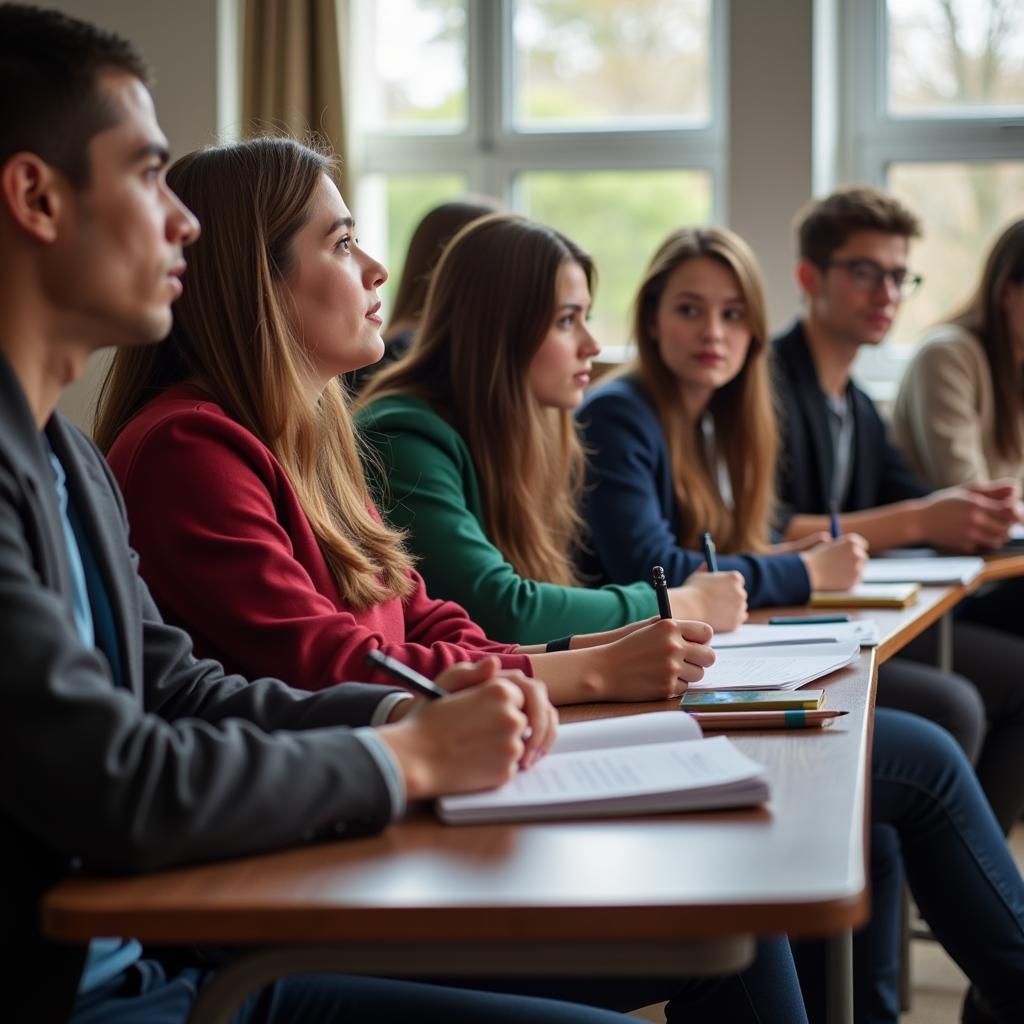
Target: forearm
(890, 526)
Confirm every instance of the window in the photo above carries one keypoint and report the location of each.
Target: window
(935, 107)
(600, 117)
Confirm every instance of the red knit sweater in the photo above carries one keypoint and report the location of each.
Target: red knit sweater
(229, 555)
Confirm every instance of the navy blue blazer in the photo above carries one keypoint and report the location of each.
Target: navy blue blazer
(182, 763)
(630, 506)
(879, 475)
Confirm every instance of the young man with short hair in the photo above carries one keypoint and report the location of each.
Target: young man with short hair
(853, 273)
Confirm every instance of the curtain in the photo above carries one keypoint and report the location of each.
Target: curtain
(291, 71)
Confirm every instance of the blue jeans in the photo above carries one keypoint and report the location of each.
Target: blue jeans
(930, 816)
(766, 993)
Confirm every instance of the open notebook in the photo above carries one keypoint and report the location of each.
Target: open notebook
(776, 668)
(640, 764)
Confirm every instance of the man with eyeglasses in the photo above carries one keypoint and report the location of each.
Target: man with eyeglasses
(837, 457)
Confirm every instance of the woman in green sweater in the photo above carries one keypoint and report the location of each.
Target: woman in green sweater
(476, 443)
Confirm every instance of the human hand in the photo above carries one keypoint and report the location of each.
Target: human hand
(541, 716)
(968, 519)
(469, 741)
(654, 662)
(836, 564)
(717, 598)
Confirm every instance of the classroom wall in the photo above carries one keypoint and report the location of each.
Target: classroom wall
(180, 40)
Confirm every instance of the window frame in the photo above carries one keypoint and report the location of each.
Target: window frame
(491, 152)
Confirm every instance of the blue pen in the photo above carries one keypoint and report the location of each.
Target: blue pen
(833, 520)
(709, 552)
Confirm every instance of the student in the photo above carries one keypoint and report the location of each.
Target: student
(701, 341)
(243, 467)
(684, 440)
(959, 415)
(438, 226)
(853, 272)
(121, 751)
(482, 464)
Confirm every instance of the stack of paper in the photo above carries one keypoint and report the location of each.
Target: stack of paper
(863, 631)
(640, 764)
(935, 570)
(776, 668)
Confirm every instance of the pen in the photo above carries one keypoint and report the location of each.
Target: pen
(833, 520)
(661, 589)
(765, 719)
(406, 676)
(709, 552)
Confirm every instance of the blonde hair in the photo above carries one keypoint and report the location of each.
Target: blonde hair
(489, 306)
(233, 337)
(746, 431)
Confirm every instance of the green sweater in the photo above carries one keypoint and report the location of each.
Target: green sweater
(432, 492)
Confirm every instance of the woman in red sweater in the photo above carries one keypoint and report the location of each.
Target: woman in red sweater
(234, 447)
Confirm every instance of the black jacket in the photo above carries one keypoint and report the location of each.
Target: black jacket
(879, 475)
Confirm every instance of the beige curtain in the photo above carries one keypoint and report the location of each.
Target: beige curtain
(291, 70)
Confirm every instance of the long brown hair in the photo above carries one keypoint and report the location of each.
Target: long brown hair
(490, 304)
(746, 432)
(438, 226)
(233, 338)
(985, 318)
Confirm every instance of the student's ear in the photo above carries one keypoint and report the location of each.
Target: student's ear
(808, 277)
(30, 190)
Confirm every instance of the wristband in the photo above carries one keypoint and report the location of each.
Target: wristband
(561, 644)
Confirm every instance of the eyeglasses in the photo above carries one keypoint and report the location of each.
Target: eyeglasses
(869, 276)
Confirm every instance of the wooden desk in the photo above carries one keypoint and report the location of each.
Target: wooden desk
(662, 894)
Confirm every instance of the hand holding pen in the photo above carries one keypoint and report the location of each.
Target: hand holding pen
(541, 716)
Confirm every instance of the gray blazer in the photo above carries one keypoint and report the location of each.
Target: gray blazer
(184, 764)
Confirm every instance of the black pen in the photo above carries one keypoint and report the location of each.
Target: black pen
(406, 676)
(661, 589)
(709, 552)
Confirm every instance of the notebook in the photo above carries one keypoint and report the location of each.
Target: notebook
(751, 700)
(937, 570)
(775, 668)
(639, 764)
(868, 595)
(863, 631)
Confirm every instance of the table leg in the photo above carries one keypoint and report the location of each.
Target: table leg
(839, 978)
(944, 658)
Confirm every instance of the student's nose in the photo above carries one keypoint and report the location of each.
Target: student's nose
(374, 273)
(182, 224)
(714, 326)
(589, 345)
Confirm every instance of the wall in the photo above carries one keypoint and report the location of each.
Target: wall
(180, 42)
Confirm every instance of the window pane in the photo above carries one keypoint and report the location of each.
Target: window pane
(584, 62)
(415, 76)
(390, 208)
(963, 207)
(619, 218)
(956, 56)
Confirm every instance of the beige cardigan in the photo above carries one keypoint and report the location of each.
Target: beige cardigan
(944, 417)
